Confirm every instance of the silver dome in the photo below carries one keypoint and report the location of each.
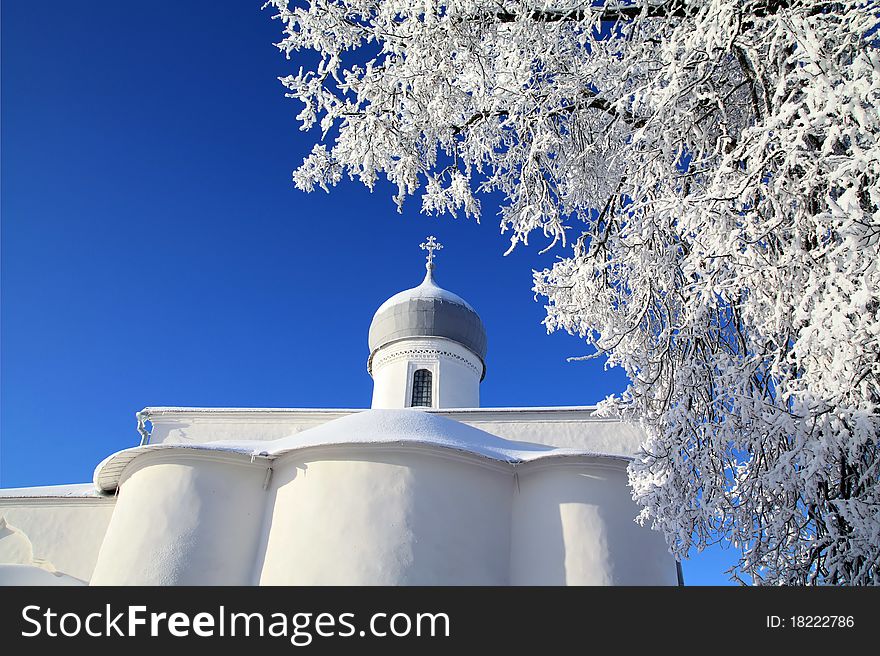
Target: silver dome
(428, 311)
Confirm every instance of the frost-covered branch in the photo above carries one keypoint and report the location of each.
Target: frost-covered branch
(714, 168)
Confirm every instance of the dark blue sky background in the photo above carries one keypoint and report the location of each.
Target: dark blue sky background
(155, 252)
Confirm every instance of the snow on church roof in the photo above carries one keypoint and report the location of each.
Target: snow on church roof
(404, 426)
(75, 490)
(427, 289)
(370, 427)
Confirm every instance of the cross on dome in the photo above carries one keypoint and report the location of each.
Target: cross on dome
(431, 244)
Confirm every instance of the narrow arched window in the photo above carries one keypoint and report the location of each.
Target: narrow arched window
(421, 389)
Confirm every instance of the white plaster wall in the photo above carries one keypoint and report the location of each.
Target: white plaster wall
(562, 427)
(184, 519)
(572, 524)
(607, 437)
(390, 384)
(376, 514)
(59, 535)
(387, 516)
(456, 373)
(15, 574)
(194, 427)
(15, 546)
(459, 386)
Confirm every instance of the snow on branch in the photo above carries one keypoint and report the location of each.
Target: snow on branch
(713, 169)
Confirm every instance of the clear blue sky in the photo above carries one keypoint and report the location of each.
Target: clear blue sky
(155, 252)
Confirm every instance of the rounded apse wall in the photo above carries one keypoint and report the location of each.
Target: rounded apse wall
(184, 519)
(387, 515)
(573, 524)
(377, 514)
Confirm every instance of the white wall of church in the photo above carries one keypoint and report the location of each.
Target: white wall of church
(455, 373)
(572, 524)
(377, 515)
(573, 428)
(57, 535)
(184, 519)
(388, 516)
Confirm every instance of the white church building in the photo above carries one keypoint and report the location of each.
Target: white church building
(424, 488)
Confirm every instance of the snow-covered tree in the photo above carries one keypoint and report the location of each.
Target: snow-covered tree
(713, 166)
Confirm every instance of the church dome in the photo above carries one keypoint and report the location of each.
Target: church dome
(428, 311)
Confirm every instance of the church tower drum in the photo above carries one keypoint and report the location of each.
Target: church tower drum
(427, 347)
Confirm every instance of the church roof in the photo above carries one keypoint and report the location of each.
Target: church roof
(369, 427)
(428, 310)
(75, 490)
(384, 426)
